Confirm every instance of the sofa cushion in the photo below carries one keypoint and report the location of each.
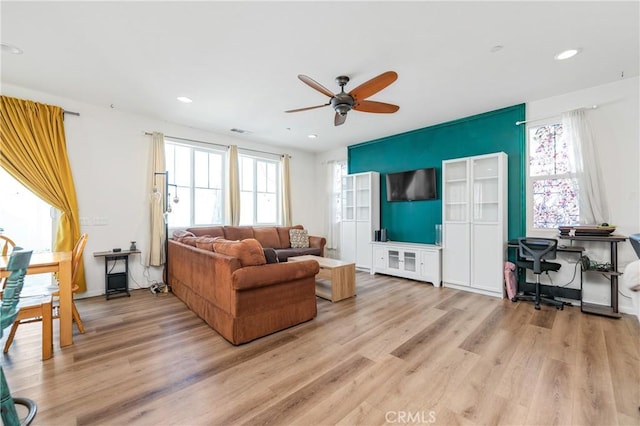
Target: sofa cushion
(248, 252)
(238, 233)
(267, 236)
(299, 238)
(284, 254)
(283, 233)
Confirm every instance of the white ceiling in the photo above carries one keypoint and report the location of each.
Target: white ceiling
(239, 61)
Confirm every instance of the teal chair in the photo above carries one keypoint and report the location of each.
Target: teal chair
(18, 263)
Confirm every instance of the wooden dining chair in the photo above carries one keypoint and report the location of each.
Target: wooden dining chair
(46, 311)
(6, 246)
(9, 309)
(76, 259)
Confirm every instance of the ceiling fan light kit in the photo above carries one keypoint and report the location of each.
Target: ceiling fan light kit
(343, 102)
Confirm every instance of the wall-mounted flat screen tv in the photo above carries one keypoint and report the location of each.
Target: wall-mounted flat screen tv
(412, 185)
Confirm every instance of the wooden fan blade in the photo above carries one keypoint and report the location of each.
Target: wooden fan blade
(339, 119)
(374, 85)
(307, 108)
(314, 84)
(373, 106)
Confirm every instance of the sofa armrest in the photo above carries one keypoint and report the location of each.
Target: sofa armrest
(318, 242)
(274, 273)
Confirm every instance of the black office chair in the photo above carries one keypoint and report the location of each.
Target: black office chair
(533, 254)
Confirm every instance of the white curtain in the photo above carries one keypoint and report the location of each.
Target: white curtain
(286, 191)
(592, 193)
(156, 255)
(331, 224)
(233, 187)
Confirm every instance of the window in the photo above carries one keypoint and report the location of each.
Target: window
(24, 217)
(196, 178)
(259, 190)
(553, 184)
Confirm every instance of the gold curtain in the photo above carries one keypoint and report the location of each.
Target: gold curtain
(33, 150)
(286, 191)
(233, 189)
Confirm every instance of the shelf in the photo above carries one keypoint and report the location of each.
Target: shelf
(607, 311)
(485, 178)
(609, 273)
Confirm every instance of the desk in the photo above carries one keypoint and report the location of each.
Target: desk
(59, 262)
(116, 283)
(555, 291)
(613, 240)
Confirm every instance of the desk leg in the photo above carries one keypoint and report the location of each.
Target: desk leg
(66, 301)
(614, 278)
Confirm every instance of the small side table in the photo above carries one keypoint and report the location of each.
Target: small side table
(116, 283)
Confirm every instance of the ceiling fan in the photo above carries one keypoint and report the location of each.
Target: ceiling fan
(343, 102)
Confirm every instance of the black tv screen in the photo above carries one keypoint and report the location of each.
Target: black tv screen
(412, 185)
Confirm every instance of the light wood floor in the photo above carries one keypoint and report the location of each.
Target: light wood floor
(400, 352)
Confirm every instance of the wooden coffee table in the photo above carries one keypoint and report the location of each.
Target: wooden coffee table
(340, 277)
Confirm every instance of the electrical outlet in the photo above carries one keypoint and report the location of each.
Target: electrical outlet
(100, 221)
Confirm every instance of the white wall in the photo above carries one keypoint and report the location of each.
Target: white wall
(615, 125)
(109, 156)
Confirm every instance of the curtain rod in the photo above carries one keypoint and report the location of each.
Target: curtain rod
(217, 144)
(552, 116)
(64, 111)
(190, 140)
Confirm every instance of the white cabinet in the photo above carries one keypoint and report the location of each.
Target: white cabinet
(474, 214)
(360, 217)
(408, 260)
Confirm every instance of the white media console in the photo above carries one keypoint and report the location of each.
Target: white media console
(415, 261)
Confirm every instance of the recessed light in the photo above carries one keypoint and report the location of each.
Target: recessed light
(184, 99)
(312, 136)
(570, 53)
(10, 48)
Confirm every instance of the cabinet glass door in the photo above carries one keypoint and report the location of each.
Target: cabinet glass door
(410, 262)
(348, 198)
(455, 191)
(362, 197)
(393, 259)
(485, 189)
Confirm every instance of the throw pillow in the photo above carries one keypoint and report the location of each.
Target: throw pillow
(205, 243)
(299, 238)
(190, 241)
(270, 254)
(179, 234)
(248, 252)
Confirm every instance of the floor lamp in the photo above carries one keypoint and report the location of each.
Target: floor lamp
(166, 209)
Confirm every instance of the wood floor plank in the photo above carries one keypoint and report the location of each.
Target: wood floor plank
(552, 398)
(623, 356)
(394, 354)
(595, 401)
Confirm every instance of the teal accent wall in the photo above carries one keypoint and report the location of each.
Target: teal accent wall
(414, 221)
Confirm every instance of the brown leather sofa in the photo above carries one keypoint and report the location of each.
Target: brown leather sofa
(242, 303)
(275, 237)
